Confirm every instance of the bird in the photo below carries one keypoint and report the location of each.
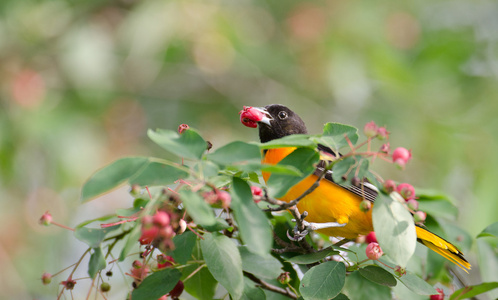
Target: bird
(330, 201)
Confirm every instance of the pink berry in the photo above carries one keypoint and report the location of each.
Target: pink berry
(382, 133)
(439, 296)
(389, 186)
(373, 251)
(412, 204)
(161, 218)
(284, 278)
(370, 129)
(399, 271)
(225, 199)
(419, 216)
(365, 205)
(371, 238)
(385, 148)
(406, 190)
(46, 278)
(46, 219)
(401, 156)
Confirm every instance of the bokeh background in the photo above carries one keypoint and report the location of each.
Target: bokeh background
(82, 81)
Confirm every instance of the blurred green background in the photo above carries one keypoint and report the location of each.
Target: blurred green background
(81, 81)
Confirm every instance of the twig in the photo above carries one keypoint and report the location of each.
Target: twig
(284, 205)
(271, 287)
(300, 226)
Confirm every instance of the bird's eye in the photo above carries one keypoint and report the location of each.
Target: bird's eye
(282, 115)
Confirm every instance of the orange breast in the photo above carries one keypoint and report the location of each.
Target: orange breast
(328, 203)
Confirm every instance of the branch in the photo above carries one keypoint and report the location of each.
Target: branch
(285, 205)
(271, 287)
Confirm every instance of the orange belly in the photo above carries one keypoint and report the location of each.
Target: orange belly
(327, 203)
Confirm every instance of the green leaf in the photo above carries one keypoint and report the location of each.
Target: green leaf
(341, 297)
(157, 284)
(189, 144)
(491, 230)
(262, 266)
(220, 224)
(96, 263)
(437, 206)
(112, 176)
(281, 169)
(197, 208)
(236, 152)
(253, 224)
(358, 287)
(310, 258)
(184, 243)
(130, 243)
(394, 229)
(474, 290)
(202, 284)
(488, 260)
(353, 166)
(378, 275)
(252, 292)
(324, 281)
(302, 159)
(411, 281)
(93, 237)
(207, 168)
(223, 261)
(294, 140)
(156, 173)
(334, 135)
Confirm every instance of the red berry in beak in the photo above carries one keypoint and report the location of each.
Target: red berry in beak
(250, 116)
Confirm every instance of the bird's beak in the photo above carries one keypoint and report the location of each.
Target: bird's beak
(251, 116)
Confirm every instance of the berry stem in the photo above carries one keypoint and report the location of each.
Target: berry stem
(62, 226)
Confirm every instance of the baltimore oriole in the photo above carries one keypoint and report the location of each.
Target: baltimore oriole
(330, 202)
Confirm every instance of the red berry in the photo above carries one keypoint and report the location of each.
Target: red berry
(371, 238)
(177, 290)
(164, 261)
(256, 191)
(148, 235)
(69, 283)
(373, 251)
(439, 296)
(406, 190)
(182, 128)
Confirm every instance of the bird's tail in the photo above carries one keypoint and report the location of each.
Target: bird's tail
(442, 247)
